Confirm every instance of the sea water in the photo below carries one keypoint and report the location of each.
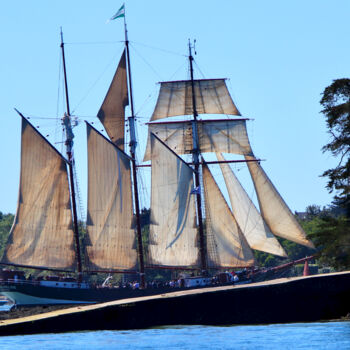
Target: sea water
(325, 335)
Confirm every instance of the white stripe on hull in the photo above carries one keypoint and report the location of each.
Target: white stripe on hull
(25, 299)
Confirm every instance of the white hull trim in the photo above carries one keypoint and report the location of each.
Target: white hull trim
(25, 299)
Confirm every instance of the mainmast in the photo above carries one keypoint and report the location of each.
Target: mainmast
(196, 162)
(132, 145)
(69, 146)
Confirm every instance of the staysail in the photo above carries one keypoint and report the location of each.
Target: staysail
(248, 218)
(112, 111)
(226, 245)
(227, 136)
(173, 235)
(211, 95)
(42, 234)
(273, 208)
(111, 238)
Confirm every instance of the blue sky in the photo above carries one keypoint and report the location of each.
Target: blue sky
(278, 56)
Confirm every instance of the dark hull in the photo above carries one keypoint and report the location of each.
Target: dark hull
(26, 294)
(304, 299)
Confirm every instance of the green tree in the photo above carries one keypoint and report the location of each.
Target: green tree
(336, 108)
(312, 211)
(332, 238)
(6, 221)
(332, 233)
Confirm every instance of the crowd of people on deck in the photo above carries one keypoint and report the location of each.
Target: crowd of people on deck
(219, 279)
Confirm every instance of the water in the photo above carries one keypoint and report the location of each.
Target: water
(295, 336)
(327, 335)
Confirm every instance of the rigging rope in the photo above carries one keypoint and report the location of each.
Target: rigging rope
(94, 42)
(94, 84)
(158, 49)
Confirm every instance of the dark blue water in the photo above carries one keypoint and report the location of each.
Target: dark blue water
(330, 335)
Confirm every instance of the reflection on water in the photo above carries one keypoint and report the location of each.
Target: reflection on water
(328, 335)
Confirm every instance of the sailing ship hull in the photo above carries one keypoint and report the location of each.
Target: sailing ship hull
(31, 294)
(298, 299)
(26, 293)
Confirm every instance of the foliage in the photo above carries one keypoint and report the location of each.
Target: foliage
(267, 260)
(294, 251)
(336, 108)
(6, 221)
(332, 238)
(311, 225)
(151, 274)
(330, 230)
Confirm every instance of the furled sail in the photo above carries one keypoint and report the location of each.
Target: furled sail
(227, 136)
(112, 113)
(254, 228)
(226, 245)
(42, 234)
(175, 98)
(111, 238)
(273, 208)
(173, 235)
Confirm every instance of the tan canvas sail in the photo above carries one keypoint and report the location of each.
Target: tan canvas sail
(248, 218)
(226, 245)
(42, 234)
(175, 98)
(111, 238)
(227, 136)
(273, 208)
(173, 235)
(112, 113)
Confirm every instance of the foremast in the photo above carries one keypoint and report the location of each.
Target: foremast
(69, 149)
(132, 145)
(196, 162)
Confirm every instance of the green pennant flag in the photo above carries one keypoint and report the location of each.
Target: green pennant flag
(120, 13)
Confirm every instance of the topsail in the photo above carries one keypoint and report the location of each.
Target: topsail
(112, 111)
(227, 136)
(212, 97)
(226, 244)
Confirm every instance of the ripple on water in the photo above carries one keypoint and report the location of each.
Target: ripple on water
(328, 335)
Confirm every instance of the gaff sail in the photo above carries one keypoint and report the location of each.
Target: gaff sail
(226, 244)
(173, 234)
(42, 234)
(111, 238)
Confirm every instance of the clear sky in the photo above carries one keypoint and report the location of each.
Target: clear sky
(278, 56)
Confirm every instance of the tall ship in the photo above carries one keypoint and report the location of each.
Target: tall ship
(193, 227)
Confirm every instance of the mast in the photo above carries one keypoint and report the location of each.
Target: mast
(69, 146)
(196, 162)
(132, 145)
